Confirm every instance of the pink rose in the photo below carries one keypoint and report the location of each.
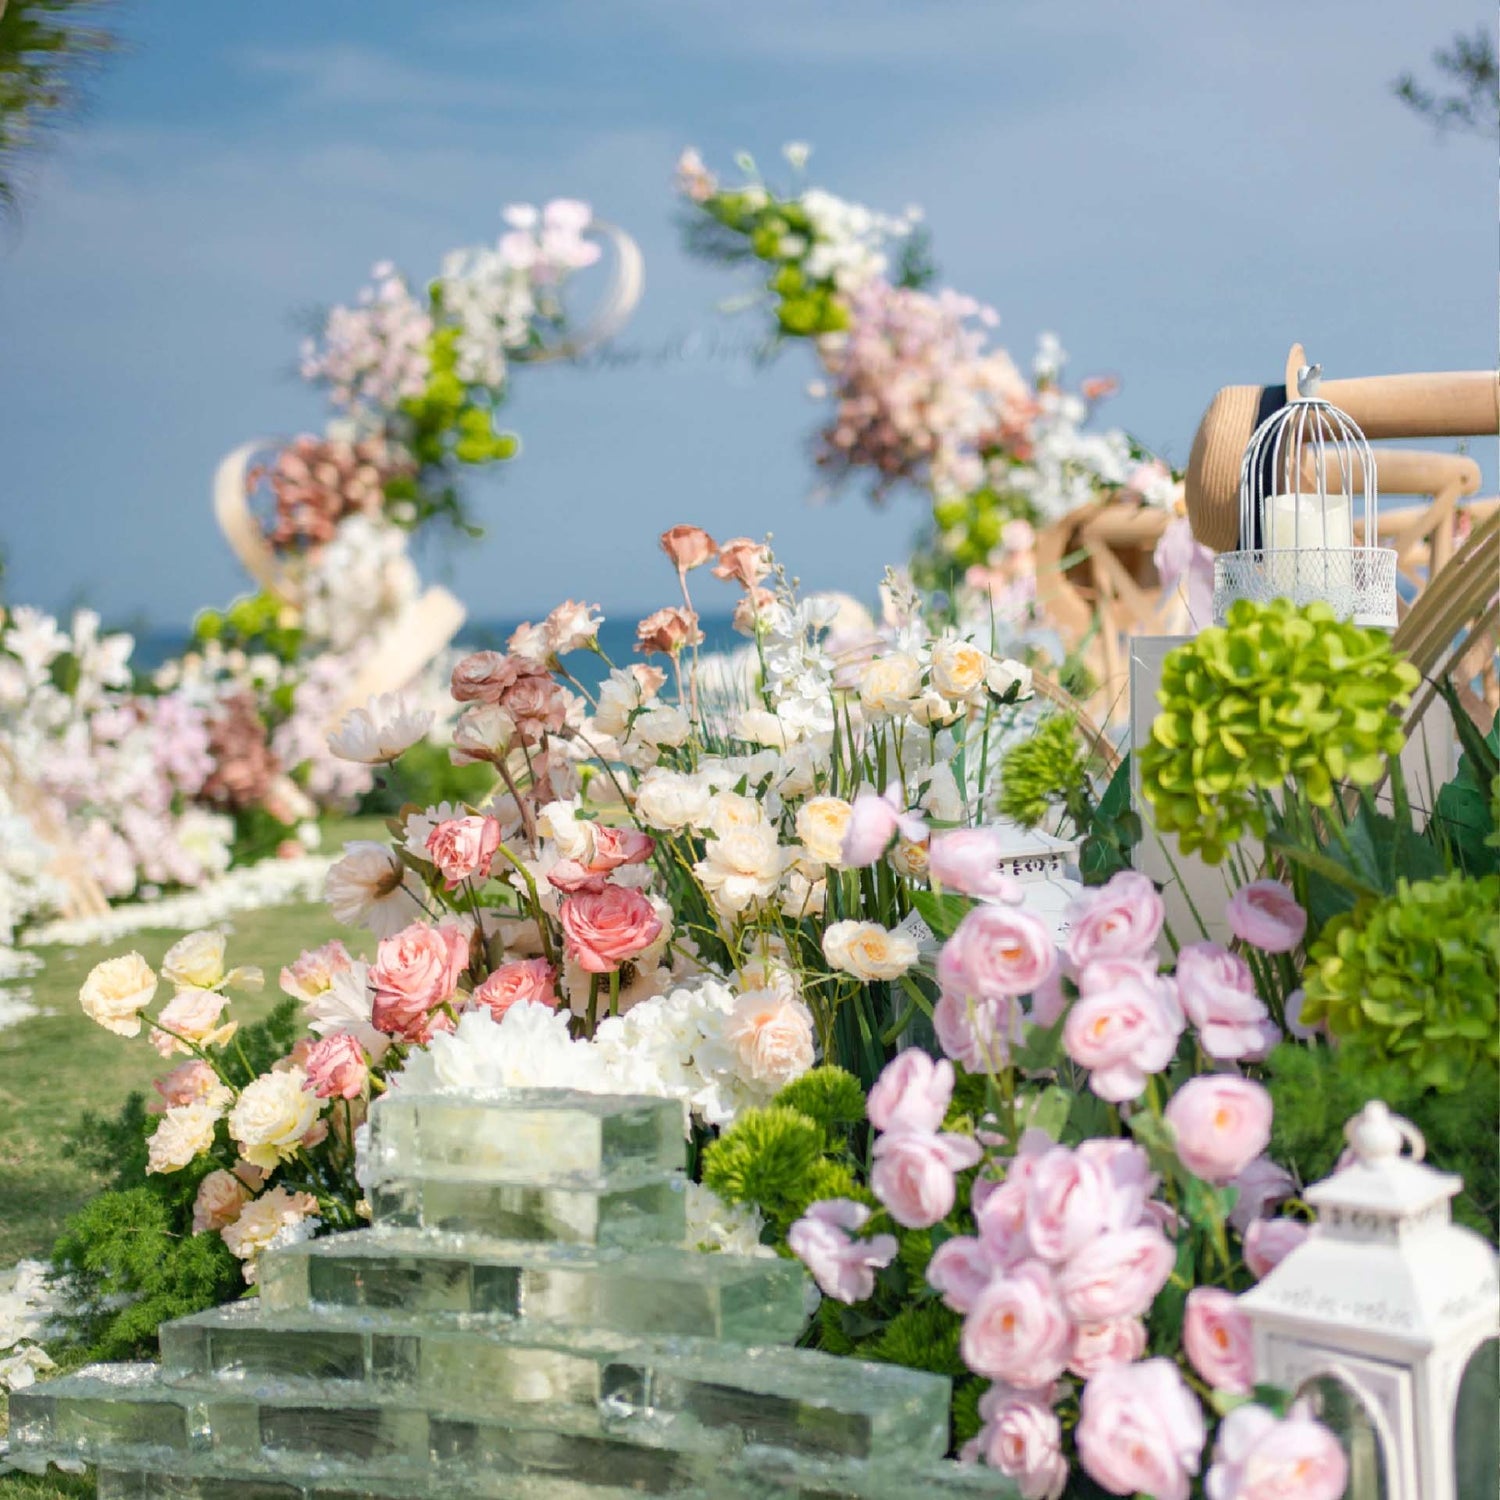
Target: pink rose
(1017, 1330)
(535, 704)
(976, 1032)
(185, 1084)
(1119, 920)
(688, 547)
(221, 1196)
(1128, 1169)
(1072, 1199)
(1217, 993)
(527, 980)
(912, 1093)
(1260, 1457)
(416, 971)
(668, 631)
(1268, 1242)
(313, 972)
(1140, 1431)
(605, 928)
(1022, 1438)
(913, 1174)
(1117, 1275)
(960, 1269)
(874, 820)
(997, 953)
(1222, 1123)
(1266, 915)
(1097, 1346)
(483, 677)
(1216, 1340)
(968, 860)
(192, 1015)
(1124, 1026)
(336, 1067)
(1262, 1185)
(461, 847)
(844, 1268)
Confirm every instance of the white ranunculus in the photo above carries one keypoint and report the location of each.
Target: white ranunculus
(672, 800)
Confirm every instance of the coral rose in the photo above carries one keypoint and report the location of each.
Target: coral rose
(463, 847)
(189, 1083)
(414, 973)
(524, 980)
(1222, 1123)
(605, 928)
(688, 547)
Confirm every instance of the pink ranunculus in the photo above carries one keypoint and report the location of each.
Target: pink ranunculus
(1119, 920)
(1022, 1438)
(1068, 1201)
(1217, 992)
(688, 547)
(912, 1093)
(1017, 1330)
(336, 1067)
(960, 1269)
(463, 847)
(185, 1084)
(1269, 1241)
(526, 980)
(997, 952)
(976, 1032)
(1260, 1457)
(1124, 1026)
(1097, 1346)
(1117, 1275)
(913, 1174)
(414, 972)
(605, 928)
(483, 677)
(968, 860)
(1222, 1123)
(1140, 1430)
(1049, 1000)
(1266, 915)
(1261, 1186)
(1216, 1340)
(874, 820)
(844, 1268)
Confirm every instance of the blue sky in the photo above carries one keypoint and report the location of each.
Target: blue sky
(1177, 188)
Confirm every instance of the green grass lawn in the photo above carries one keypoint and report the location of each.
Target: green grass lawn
(58, 1064)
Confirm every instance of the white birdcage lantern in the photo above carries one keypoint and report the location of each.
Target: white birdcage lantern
(1385, 1319)
(1307, 475)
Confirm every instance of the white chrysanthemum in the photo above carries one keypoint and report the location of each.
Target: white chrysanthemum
(385, 728)
(529, 1047)
(366, 889)
(714, 1225)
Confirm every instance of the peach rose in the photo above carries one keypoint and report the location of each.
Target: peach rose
(743, 561)
(186, 1131)
(688, 546)
(869, 951)
(192, 1015)
(752, 611)
(188, 1083)
(526, 980)
(413, 974)
(772, 1037)
(605, 928)
(483, 677)
(263, 1222)
(463, 847)
(221, 1196)
(312, 974)
(668, 631)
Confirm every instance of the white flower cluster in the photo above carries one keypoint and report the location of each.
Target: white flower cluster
(360, 581)
(26, 886)
(849, 239)
(29, 1305)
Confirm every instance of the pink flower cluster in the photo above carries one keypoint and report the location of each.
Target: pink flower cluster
(914, 1160)
(373, 355)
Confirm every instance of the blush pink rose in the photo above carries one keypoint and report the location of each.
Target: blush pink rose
(605, 928)
(667, 631)
(1124, 1026)
(1261, 1457)
(968, 860)
(1068, 1203)
(1097, 1346)
(1261, 1187)
(483, 677)
(534, 704)
(974, 1031)
(1140, 1431)
(843, 1267)
(1022, 1438)
(1268, 1242)
(1216, 1340)
(1266, 915)
(960, 1269)
(221, 1196)
(1117, 1275)
(913, 1174)
(1119, 920)
(463, 847)
(614, 847)
(997, 953)
(1128, 1169)
(336, 1067)
(912, 1093)
(1217, 993)
(524, 980)
(1222, 1123)
(874, 820)
(185, 1084)
(1017, 1331)
(416, 971)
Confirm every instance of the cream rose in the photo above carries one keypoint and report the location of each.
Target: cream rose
(959, 668)
(741, 866)
(274, 1217)
(571, 835)
(821, 825)
(801, 896)
(759, 726)
(891, 683)
(195, 961)
(869, 951)
(622, 693)
(669, 799)
(117, 991)
(272, 1116)
(771, 1034)
(662, 725)
(186, 1131)
(909, 858)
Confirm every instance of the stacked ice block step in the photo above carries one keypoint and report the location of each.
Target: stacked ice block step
(523, 1321)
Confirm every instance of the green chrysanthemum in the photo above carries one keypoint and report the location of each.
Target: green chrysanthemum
(1041, 771)
(1413, 978)
(1280, 694)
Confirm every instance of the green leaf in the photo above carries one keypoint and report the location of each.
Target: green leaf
(1042, 1049)
(943, 913)
(1045, 1109)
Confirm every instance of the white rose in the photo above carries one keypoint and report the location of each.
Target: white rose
(771, 1035)
(890, 683)
(869, 951)
(741, 866)
(730, 810)
(186, 1131)
(932, 708)
(942, 797)
(572, 836)
(272, 1116)
(759, 726)
(672, 800)
(624, 691)
(821, 825)
(663, 725)
(117, 991)
(802, 896)
(959, 668)
(484, 732)
(800, 769)
(1004, 674)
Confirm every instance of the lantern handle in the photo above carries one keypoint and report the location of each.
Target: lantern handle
(1376, 1135)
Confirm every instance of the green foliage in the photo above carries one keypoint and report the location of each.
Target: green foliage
(828, 1095)
(922, 1336)
(1111, 830)
(1413, 978)
(1279, 694)
(1315, 1090)
(767, 1157)
(426, 776)
(255, 624)
(942, 913)
(1042, 771)
(1465, 816)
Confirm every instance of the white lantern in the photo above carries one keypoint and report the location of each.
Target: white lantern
(1385, 1317)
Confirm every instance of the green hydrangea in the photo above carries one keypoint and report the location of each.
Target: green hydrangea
(1040, 771)
(1413, 978)
(1279, 694)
